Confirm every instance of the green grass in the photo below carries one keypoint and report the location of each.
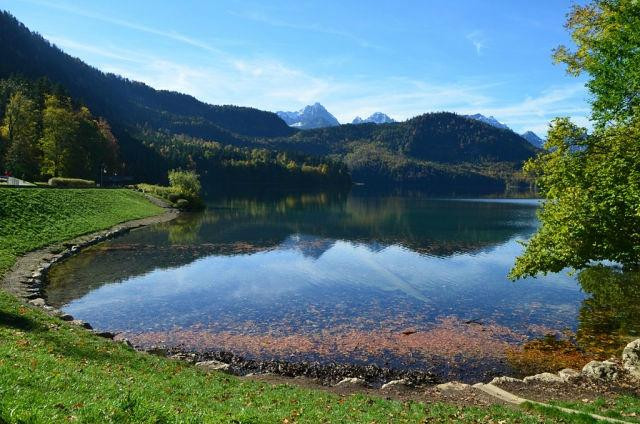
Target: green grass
(623, 407)
(52, 372)
(33, 218)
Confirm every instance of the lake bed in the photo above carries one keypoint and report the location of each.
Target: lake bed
(404, 282)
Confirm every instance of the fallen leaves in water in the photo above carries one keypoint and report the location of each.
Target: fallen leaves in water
(547, 354)
(448, 338)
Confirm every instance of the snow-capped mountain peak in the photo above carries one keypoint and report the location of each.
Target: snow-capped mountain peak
(376, 118)
(533, 138)
(311, 116)
(488, 120)
(530, 136)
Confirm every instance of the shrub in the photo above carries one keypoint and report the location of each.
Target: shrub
(185, 182)
(70, 183)
(184, 192)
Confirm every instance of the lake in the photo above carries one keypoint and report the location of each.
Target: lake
(406, 282)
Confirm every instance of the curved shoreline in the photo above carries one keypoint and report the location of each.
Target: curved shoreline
(27, 279)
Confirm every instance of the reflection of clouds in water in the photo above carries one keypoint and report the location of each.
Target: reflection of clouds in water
(476, 280)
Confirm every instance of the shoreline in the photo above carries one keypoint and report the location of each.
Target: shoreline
(27, 280)
(27, 277)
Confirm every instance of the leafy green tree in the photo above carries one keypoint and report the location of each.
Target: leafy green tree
(607, 36)
(187, 182)
(59, 131)
(109, 150)
(20, 130)
(592, 182)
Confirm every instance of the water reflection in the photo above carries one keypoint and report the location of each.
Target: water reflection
(608, 319)
(327, 276)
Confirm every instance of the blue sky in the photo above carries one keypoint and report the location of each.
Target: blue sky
(403, 58)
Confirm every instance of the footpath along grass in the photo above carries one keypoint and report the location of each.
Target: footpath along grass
(52, 372)
(34, 218)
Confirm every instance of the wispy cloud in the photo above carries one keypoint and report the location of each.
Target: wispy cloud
(106, 52)
(479, 41)
(308, 26)
(535, 112)
(272, 85)
(172, 35)
(265, 82)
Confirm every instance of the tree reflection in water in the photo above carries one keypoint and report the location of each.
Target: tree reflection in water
(609, 319)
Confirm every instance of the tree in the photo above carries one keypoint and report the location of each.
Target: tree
(187, 182)
(109, 148)
(607, 36)
(591, 183)
(20, 130)
(59, 131)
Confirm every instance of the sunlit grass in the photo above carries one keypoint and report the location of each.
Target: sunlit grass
(33, 218)
(624, 407)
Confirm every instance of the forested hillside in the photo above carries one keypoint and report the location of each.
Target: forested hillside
(158, 130)
(440, 152)
(123, 101)
(442, 137)
(43, 133)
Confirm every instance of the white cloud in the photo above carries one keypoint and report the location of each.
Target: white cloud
(534, 113)
(478, 40)
(107, 52)
(172, 35)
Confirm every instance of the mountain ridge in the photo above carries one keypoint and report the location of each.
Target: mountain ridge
(437, 151)
(530, 136)
(122, 100)
(309, 117)
(533, 138)
(374, 118)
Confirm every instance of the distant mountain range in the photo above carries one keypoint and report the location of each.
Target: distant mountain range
(530, 136)
(488, 120)
(376, 118)
(317, 116)
(312, 116)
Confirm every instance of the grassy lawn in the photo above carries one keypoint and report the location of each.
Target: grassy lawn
(626, 408)
(33, 218)
(52, 372)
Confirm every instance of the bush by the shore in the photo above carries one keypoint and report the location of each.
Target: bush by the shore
(183, 191)
(60, 182)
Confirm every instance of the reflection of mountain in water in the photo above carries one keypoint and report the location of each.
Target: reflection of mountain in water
(308, 223)
(436, 227)
(309, 246)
